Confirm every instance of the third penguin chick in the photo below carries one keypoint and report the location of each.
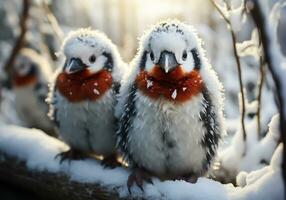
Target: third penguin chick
(170, 107)
(30, 76)
(83, 94)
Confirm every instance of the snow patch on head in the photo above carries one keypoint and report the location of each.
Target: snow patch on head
(85, 42)
(170, 35)
(81, 41)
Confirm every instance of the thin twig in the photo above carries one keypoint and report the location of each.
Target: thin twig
(233, 37)
(53, 22)
(20, 40)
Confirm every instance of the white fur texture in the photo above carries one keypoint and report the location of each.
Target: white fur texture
(181, 121)
(31, 109)
(88, 125)
(29, 101)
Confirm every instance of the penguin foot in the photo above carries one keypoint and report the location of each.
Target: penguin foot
(110, 161)
(138, 175)
(71, 154)
(190, 178)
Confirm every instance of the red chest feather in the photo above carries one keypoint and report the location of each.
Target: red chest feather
(21, 81)
(83, 85)
(175, 86)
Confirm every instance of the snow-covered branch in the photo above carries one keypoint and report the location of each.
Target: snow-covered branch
(29, 162)
(47, 185)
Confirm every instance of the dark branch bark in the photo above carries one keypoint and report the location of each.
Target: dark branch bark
(50, 186)
(260, 22)
(259, 95)
(233, 38)
(21, 38)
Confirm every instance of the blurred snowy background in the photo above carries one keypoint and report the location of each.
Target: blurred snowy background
(124, 21)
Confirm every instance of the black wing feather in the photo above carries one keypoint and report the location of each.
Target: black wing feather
(125, 123)
(212, 126)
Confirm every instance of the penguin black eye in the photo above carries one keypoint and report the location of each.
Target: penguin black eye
(185, 55)
(92, 59)
(152, 56)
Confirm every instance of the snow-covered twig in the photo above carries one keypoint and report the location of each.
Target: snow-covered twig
(53, 22)
(234, 41)
(275, 62)
(21, 38)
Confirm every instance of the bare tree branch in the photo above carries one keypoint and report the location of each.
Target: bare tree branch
(21, 38)
(233, 37)
(260, 86)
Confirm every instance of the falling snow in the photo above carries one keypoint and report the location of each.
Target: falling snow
(149, 84)
(95, 91)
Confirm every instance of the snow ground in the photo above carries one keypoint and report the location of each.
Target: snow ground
(39, 150)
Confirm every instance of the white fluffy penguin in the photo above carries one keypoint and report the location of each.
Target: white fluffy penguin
(30, 77)
(170, 107)
(82, 96)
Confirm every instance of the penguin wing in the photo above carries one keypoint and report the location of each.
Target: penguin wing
(125, 122)
(52, 100)
(41, 90)
(211, 125)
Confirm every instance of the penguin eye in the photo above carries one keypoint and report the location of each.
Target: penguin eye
(92, 59)
(185, 55)
(152, 56)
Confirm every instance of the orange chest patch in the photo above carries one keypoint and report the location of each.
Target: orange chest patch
(21, 81)
(175, 86)
(83, 85)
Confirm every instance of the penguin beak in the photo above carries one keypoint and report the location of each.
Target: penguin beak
(167, 61)
(75, 65)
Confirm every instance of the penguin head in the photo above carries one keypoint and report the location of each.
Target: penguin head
(170, 45)
(26, 70)
(88, 50)
(24, 66)
(169, 62)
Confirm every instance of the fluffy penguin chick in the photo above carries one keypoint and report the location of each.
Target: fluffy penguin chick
(83, 94)
(30, 77)
(170, 107)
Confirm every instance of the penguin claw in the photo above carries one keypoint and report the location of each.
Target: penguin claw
(71, 154)
(138, 176)
(192, 179)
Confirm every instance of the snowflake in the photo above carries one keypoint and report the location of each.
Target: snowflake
(149, 84)
(95, 91)
(174, 94)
